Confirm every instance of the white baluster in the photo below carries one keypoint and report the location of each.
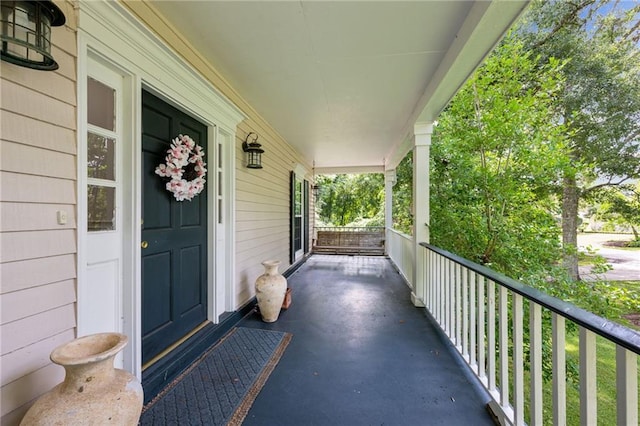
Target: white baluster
(447, 297)
(482, 333)
(431, 281)
(451, 300)
(559, 370)
(491, 334)
(588, 379)
(473, 332)
(626, 386)
(518, 360)
(503, 346)
(458, 306)
(465, 313)
(441, 284)
(535, 343)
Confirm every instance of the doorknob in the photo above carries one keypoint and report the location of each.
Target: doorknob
(144, 244)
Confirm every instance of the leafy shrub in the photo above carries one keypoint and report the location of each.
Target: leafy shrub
(634, 243)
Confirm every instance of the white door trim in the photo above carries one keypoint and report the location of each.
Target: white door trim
(101, 249)
(111, 34)
(300, 173)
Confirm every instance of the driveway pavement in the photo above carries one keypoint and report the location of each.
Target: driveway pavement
(626, 263)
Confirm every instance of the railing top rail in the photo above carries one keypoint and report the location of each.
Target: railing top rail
(350, 228)
(402, 234)
(617, 333)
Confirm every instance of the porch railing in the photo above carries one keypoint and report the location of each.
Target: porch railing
(400, 250)
(350, 240)
(483, 314)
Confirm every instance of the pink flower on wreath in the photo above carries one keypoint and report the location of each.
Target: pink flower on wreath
(175, 172)
(162, 170)
(175, 154)
(183, 151)
(187, 141)
(176, 185)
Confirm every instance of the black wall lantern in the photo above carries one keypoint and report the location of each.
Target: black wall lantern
(26, 33)
(254, 152)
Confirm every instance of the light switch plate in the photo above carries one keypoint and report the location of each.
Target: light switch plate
(62, 217)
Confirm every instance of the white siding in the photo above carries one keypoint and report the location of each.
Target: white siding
(32, 216)
(262, 209)
(41, 161)
(37, 260)
(29, 273)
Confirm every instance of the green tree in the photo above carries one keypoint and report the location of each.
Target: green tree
(402, 201)
(622, 205)
(600, 100)
(495, 160)
(356, 200)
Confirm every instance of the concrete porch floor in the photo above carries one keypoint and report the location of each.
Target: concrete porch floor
(361, 354)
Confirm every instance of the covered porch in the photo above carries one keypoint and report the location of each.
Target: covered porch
(362, 354)
(329, 87)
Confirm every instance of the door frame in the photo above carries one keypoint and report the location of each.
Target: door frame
(298, 174)
(111, 35)
(112, 238)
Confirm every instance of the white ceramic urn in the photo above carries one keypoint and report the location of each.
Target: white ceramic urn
(93, 391)
(270, 290)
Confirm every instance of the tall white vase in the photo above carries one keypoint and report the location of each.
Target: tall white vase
(270, 290)
(93, 391)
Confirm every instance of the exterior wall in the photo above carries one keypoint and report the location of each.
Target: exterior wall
(262, 196)
(37, 255)
(262, 209)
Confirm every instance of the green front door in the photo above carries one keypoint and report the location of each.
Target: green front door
(174, 236)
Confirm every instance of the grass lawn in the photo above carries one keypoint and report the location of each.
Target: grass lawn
(628, 248)
(606, 372)
(631, 285)
(585, 259)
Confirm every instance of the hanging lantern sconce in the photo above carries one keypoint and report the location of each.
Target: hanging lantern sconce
(26, 33)
(254, 151)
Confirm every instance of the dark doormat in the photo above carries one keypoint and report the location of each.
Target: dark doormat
(219, 388)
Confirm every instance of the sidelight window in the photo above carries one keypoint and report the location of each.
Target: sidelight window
(101, 155)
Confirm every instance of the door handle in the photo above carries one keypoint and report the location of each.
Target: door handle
(144, 244)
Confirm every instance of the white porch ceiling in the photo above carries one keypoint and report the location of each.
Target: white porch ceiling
(344, 82)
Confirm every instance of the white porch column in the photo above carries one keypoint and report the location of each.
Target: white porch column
(421, 143)
(389, 181)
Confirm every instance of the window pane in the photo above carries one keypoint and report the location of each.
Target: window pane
(101, 108)
(100, 157)
(101, 208)
(298, 199)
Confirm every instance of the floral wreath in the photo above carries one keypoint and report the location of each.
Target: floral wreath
(185, 168)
